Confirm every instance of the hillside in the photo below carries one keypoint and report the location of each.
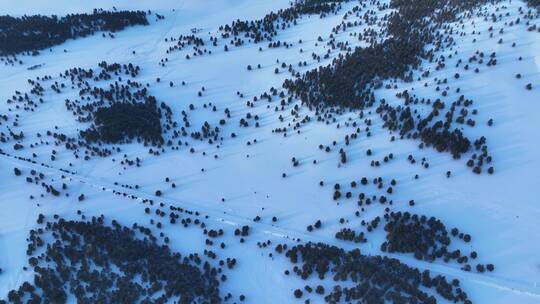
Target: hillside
(385, 151)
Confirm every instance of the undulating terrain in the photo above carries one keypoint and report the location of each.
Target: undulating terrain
(257, 151)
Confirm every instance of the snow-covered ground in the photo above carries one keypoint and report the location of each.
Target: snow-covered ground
(500, 211)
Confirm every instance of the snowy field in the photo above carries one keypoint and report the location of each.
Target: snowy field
(233, 182)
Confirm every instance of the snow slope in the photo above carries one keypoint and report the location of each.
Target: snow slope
(500, 211)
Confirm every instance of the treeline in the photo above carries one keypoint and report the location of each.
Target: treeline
(267, 27)
(37, 32)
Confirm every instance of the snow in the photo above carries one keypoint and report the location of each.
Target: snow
(500, 211)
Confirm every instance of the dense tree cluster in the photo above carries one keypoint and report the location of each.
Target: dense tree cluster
(343, 83)
(440, 134)
(100, 263)
(347, 234)
(119, 121)
(120, 114)
(427, 238)
(349, 80)
(267, 27)
(118, 108)
(375, 279)
(36, 32)
(534, 3)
